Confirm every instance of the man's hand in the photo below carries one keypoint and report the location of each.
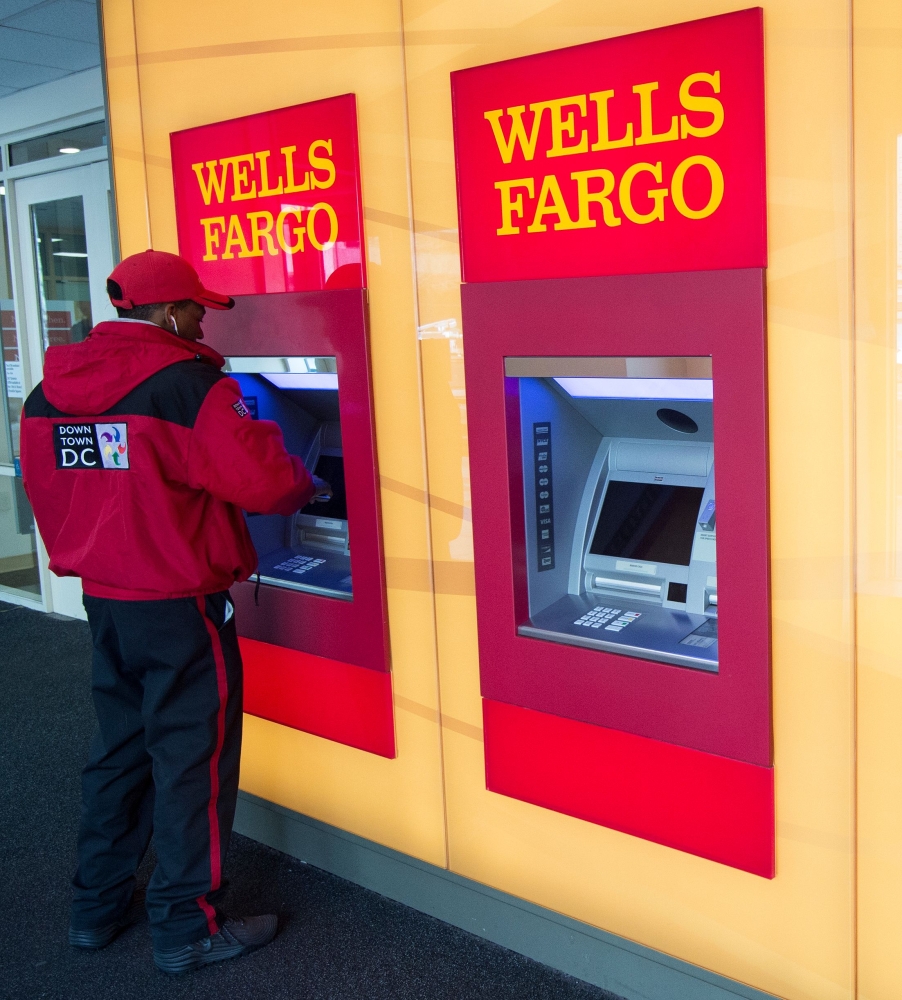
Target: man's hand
(323, 490)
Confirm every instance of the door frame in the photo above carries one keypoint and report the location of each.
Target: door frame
(89, 179)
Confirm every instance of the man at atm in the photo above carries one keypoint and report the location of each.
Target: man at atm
(138, 455)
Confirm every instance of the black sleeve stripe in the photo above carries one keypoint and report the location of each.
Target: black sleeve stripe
(175, 393)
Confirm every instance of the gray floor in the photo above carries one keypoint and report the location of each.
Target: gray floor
(338, 941)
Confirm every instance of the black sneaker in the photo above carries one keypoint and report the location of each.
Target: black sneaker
(99, 937)
(235, 937)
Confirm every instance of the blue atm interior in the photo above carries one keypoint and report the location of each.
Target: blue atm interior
(309, 551)
(620, 511)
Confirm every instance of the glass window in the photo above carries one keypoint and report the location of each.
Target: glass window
(11, 376)
(18, 558)
(72, 140)
(61, 252)
(18, 554)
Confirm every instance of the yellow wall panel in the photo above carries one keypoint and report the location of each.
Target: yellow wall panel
(878, 373)
(126, 131)
(792, 936)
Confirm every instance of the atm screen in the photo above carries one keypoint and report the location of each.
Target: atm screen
(332, 469)
(648, 521)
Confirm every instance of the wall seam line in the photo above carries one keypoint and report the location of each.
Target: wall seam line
(141, 124)
(421, 392)
(853, 352)
(104, 82)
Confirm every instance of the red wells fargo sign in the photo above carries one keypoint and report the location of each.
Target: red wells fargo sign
(271, 202)
(637, 154)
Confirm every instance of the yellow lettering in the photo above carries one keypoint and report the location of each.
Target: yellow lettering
(510, 206)
(564, 124)
(517, 133)
(585, 197)
(551, 190)
(647, 132)
(657, 195)
(259, 232)
(235, 238)
(213, 183)
(239, 165)
(676, 187)
(321, 206)
(696, 102)
(265, 189)
(298, 231)
(211, 238)
(321, 163)
(290, 186)
(601, 98)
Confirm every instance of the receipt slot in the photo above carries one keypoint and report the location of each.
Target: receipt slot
(618, 474)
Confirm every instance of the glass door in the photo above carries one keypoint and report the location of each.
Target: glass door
(19, 573)
(65, 247)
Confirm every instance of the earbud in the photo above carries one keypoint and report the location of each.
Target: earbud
(175, 325)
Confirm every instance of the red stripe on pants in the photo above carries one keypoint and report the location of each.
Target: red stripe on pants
(212, 814)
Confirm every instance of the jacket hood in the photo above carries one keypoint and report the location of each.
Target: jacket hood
(88, 378)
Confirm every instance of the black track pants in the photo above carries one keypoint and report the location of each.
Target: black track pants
(167, 688)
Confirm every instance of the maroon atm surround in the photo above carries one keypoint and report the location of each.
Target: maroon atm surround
(331, 323)
(716, 313)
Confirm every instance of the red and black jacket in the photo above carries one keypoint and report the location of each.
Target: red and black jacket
(138, 455)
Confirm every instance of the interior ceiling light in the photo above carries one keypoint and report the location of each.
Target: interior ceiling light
(68, 253)
(638, 388)
(302, 380)
(70, 149)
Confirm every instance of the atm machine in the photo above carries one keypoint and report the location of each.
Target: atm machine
(313, 619)
(309, 551)
(618, 474)
(619, 502)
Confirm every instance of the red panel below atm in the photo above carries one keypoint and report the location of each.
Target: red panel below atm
(338, 701)
(711, 806)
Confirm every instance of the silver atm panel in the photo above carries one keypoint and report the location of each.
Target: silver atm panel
(621, 524)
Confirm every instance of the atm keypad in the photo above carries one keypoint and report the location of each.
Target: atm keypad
(610, 619)
(299, 564)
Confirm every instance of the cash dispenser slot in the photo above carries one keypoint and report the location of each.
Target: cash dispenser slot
(621, 557)
(309, 551)
(338, 542)
(646, 590)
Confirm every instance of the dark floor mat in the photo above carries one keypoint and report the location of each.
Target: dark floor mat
(338, 941)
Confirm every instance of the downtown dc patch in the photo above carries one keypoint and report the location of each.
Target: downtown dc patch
(91, 446)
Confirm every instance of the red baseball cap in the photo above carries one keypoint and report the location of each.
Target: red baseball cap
(155, 276)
